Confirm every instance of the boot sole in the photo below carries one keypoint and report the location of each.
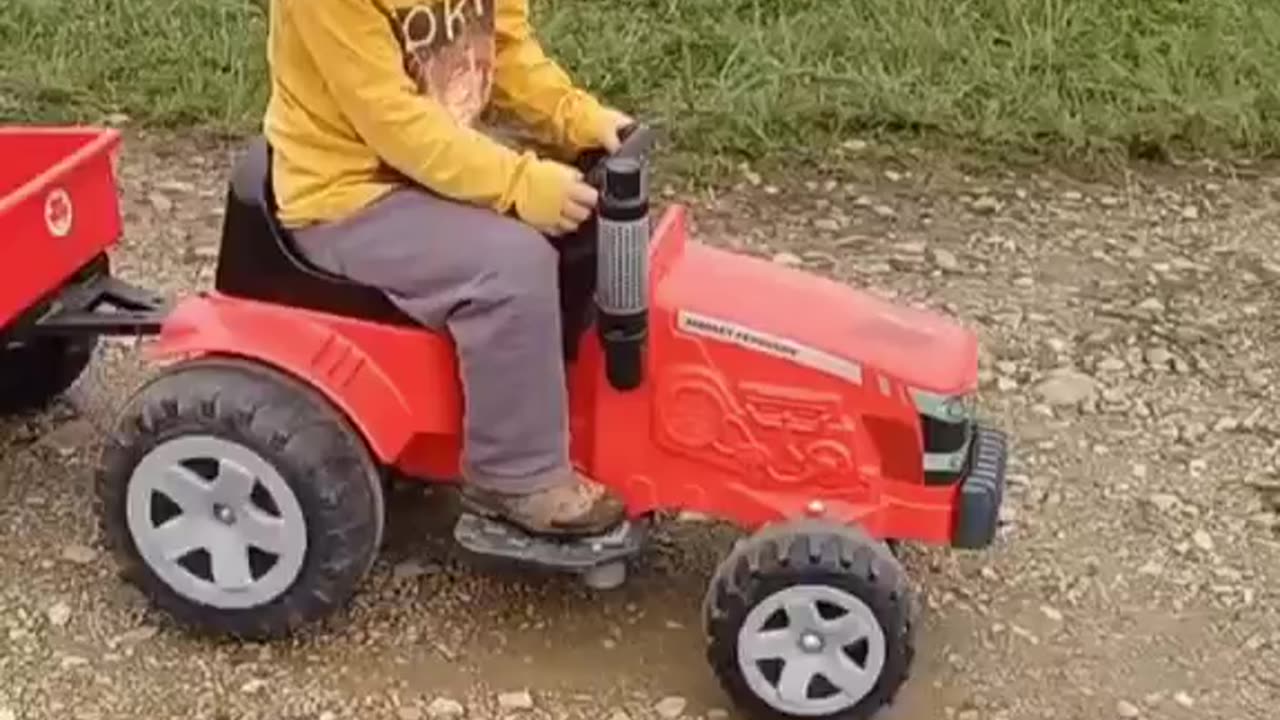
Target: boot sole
(490, 507)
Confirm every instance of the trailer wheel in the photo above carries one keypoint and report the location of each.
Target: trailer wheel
(33, 373)
(239, 500)
(810, 620)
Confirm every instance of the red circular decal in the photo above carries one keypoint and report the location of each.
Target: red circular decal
(58, 213)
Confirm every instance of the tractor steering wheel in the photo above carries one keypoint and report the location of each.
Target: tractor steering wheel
(637, 139)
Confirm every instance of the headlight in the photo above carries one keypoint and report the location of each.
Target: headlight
(950, 409)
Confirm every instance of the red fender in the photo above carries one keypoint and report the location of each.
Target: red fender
(398, 386)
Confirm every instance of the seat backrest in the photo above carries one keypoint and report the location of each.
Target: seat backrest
(258, 260)
(252, 181)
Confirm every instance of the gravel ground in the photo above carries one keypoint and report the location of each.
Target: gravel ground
(1129, 333)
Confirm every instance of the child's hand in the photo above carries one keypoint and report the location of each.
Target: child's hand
(614, 122)
(579, 200)
(576, 200)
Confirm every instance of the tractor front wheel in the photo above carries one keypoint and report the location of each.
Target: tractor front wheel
(239, 500)
(810, 620)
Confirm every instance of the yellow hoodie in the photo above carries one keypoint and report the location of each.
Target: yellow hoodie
(368, 93)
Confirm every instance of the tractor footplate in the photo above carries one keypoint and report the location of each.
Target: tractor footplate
(600, 559)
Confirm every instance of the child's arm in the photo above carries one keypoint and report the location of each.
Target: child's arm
(356, 51)
(539, 93)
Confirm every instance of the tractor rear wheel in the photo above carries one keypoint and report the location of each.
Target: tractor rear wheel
(239, 500)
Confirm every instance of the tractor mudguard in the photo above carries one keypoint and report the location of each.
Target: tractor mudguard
(396, 385)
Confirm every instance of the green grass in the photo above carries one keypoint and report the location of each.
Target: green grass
(163, 62)
(772, 79)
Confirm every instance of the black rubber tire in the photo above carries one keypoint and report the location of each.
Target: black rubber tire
(322, 458)
(809, 552)
(33, 374)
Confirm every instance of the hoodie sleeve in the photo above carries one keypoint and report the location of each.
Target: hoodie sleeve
(353, 45)
(536, 90)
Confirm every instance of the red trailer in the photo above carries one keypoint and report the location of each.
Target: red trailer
(59, 213)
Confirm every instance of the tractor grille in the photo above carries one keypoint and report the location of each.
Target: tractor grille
(943, 438)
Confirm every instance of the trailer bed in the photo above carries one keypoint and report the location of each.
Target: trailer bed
(59, 210)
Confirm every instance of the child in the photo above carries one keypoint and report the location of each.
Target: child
(382, 176)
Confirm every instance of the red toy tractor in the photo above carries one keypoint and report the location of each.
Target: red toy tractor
(243, 490)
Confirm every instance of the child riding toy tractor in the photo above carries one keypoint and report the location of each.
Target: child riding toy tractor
(243, 489)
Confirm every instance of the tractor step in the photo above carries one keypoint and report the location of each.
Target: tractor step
(601, 560)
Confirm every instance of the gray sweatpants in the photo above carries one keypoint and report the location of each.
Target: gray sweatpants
(491, 282)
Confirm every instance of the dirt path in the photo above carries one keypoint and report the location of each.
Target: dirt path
(1138, 574)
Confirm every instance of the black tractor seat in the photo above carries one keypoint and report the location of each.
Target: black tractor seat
(258, 260)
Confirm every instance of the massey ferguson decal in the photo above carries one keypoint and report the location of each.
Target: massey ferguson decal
(724, 331)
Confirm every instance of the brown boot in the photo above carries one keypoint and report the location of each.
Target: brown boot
(579, 506)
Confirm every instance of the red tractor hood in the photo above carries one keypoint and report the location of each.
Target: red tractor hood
(922, 349)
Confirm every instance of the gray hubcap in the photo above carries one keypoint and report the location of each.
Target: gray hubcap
(811, 650)
(216, 522)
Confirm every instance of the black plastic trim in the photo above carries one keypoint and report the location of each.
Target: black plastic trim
(981, 491)
(92, 303)
(943, 437)
(79, 310)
